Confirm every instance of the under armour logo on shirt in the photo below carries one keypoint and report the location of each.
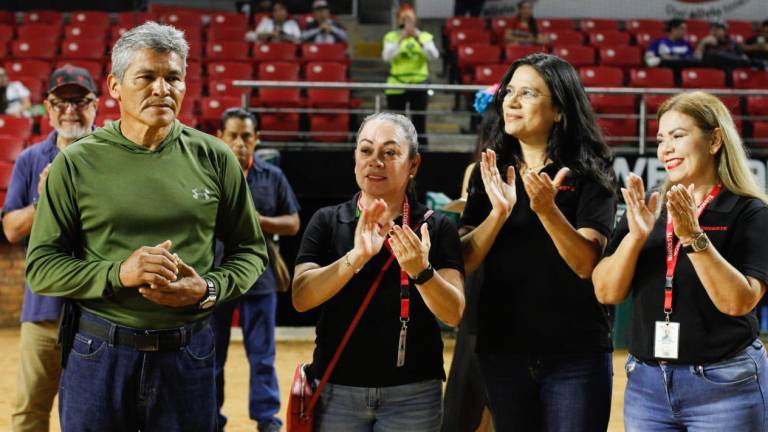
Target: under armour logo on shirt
(204, 195)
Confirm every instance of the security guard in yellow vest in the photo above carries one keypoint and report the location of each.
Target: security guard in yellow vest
(409, 51)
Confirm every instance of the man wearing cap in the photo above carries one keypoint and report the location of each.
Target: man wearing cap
(323, 29)
(125, 230)
(71, 105)
(718, 49)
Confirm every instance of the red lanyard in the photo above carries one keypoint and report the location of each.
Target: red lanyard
(673, 251)
(405, 304)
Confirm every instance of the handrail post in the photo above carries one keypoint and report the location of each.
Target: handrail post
(643, 132)
(377, 103)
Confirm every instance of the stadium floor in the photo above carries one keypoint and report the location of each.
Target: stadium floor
(235, 405)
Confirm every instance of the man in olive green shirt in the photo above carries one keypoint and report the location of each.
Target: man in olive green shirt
(125, 228)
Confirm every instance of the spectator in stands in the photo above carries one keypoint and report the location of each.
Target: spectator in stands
(409, 51)
(71, 104)
(672, 50)
(718, 49)
(125, 230)
(323, 29)
(552, 221)
(389, 377)
(696, 361)
(279, 27)
(757, 46)
(522, 29)
(14, 97)
(278, 215)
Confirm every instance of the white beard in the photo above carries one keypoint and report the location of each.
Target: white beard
(73, 132)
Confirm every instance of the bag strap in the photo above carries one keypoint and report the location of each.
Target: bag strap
(358, 315)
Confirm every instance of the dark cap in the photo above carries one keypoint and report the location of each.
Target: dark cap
(319, 4)
(71, 75)
(718, 24)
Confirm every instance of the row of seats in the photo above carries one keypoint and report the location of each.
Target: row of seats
(624, 131)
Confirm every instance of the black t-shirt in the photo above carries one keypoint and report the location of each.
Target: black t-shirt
(756, 39)
(369, 359)
(531, 302)
(736, 227)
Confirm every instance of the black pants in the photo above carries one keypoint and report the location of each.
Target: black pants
(418, 102)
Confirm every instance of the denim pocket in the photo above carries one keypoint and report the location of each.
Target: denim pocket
(201, 347)
(87, 348)
(737, 370)
(630, 365)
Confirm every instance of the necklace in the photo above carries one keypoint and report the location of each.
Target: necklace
(537, 167)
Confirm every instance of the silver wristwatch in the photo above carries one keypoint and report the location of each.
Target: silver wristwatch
(700, 242)
(210, 298)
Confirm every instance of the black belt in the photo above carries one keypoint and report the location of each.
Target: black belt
(148, 340)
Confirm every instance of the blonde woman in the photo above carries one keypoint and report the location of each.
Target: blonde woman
(695, 258)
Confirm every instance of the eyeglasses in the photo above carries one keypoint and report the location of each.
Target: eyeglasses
(61, 105)
(526, 95)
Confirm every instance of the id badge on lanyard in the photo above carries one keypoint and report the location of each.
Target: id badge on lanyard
(667, 333)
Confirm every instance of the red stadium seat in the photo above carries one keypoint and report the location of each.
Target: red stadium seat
(89, 18)
(134, 18)
(33, 49)
(6, 33)
(622, 56)
(618, 131)
(43, 16)
(6, 169)
(463, 23)
(35, 87)
(733, 103)
(695, 37)
(224, 88)
(564, 37)
(279, 127)
(329, 127)
(601, 76)
(116, 31)
(472, 55)
(468, 36)
(514, 52)
(697, 26)
(83, 50)
(608, 37)
(268, 52)
(107, 105)
(3, 49)
(499, 25)
(750, 79)
(8, 17)
(489, 74)
(653, 102)
(760, 134)
(230, 70)
(702, 78)
(184, 17)
(651, 77)
(196, 50)
(38, 31)
(19, 127)
(645, 39)
(613, 103)
(105, 119)
(2, 197)
(324, 53)
(328, 72)
(188, 119)
(230, 20)
(194, 92)
(279, 97)
(79, 31)
(549, 24)
(743, 27)
(46, 128)
(227, 51)
(28, 68)
(211, 108)
(10, 147)
(576, 55)
(757, 105)
(224, 34)
(598, 25)
(636, 26)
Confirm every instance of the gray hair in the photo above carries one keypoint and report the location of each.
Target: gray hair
(403, 122)
(161, 38)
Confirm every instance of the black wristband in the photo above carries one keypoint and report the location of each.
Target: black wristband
(425, 275)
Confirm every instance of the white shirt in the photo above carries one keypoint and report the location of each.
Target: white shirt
(14, 93)
(290, 29)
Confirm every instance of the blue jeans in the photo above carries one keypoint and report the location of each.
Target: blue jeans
(725, 396)
(115, 388)
(548, 393)
(257, 319)
(413, 407)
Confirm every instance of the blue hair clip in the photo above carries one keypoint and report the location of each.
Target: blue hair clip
(484, 97)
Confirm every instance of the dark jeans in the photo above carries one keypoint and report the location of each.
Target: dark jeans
(107, 387)
(548, 393)
(257, 319)
(418, 102)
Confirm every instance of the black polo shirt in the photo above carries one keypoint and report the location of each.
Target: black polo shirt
(369, 359)
(736, 227)
(531, 302)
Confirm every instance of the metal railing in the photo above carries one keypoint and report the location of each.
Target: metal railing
(622, 144)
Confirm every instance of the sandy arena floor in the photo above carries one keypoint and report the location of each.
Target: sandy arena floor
(235, 406)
